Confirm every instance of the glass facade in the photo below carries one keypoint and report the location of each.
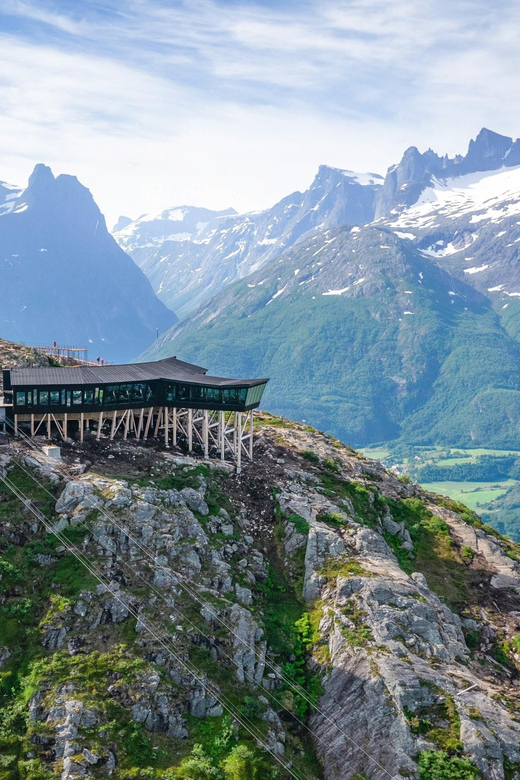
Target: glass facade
(177, 393)
(137, 394)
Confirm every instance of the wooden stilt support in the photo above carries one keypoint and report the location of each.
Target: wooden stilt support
(127, 423)
(113, 428)
(49, 427)
(166, 428)
(190, 430)
(32, 425)
(174, 426)
(16, 425)
(238, 440)
(100, 425)
(65, 432)
(140, 425)
(159, 420)
(205, 426)
(148, 423)
(221, 431)
(251, 434)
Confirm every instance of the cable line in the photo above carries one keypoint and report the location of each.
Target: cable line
(181, 582)
(163, 640)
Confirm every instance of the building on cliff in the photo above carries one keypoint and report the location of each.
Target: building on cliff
(169, 398)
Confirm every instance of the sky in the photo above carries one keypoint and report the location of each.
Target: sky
(223, 103)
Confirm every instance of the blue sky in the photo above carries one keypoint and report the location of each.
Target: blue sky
(232, 103)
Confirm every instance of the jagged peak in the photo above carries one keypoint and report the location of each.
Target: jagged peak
(42, 175)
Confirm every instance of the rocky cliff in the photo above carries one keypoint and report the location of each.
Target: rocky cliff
(314, 617)
(17, 355)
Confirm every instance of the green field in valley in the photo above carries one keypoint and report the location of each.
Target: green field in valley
(475, 495)
(485, 480)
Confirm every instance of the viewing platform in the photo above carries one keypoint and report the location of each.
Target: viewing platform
(79, 354)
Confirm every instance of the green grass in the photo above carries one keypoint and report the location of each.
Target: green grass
(376, 453)
(474, 494)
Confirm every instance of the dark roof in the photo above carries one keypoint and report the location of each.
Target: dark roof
(170, 368)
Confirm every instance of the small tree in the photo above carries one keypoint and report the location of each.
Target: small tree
(240, 764)
(197, 766)
(438, 765)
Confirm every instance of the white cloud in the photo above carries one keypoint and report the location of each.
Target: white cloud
(236, 103)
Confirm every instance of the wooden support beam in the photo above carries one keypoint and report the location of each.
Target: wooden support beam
(32, 425)
(100, 424)
(81, 425)
(127, 423)
(166, 427)
(65, 431)
(148, 423)
(49, 437)
(251, 434)
(113, 428)
(221, 432)
(238, 439)
(159, 419)
(174, 426)
(190, 430)
(140, 426)
(205, 426)
(16, 425)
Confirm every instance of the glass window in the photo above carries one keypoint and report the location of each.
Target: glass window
(110, 394)
(54, 396)
(63, 397)
(100, 395)
(20, 398)
(77, 397)
(69, 397)
(254, 394)
(89, 396)
(44, 397)
(124, 394)
(138, 391)
(29, 398)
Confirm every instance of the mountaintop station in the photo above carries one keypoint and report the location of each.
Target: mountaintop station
(167, 398)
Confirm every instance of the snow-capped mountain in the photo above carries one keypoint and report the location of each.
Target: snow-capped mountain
(8, 194)
(389, 329)
(367, 337)
(405, 182)
(184, 223)
(466, 216)
(190, 254)
(64, 277)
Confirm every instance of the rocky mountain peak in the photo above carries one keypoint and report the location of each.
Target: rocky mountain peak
(121, 223)
(406, 181)
(56, 251)
(61, 199)
(487, 151)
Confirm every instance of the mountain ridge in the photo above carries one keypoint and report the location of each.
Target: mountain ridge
(186, 272)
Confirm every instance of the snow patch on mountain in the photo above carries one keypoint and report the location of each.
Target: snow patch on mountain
(489, 195)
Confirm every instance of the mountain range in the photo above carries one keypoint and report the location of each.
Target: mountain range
(381, 307)
(64, 277)
(189, 254)
(405, 326)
